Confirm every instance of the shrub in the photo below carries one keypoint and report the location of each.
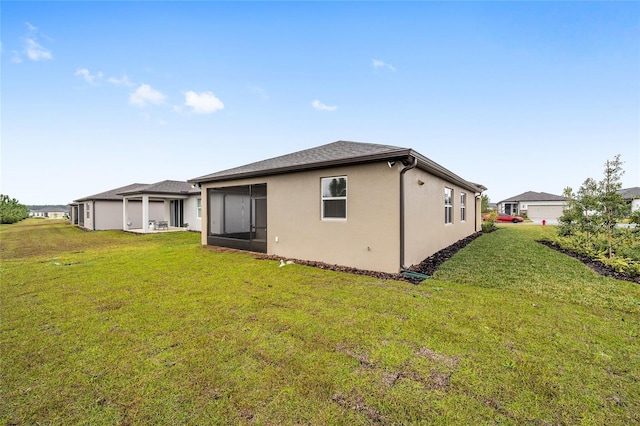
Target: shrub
(489, 224)
(11, 211)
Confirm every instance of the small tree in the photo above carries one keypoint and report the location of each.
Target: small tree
(613, 207)
(579, 213)
(568, 221)
(590, 221)
(484, 203)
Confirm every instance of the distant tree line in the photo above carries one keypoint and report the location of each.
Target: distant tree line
(597, 221)
(11, 211)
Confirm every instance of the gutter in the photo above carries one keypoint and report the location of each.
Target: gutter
(410, 162)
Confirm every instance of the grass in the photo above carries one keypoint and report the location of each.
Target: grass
(113, 328)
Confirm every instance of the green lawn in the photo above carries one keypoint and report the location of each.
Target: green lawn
(107, 328)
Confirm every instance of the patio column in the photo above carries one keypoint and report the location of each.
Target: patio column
(145, 213)
(125, 213)
(167, 210)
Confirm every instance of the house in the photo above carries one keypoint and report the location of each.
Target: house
(51, 212)
(367, 206)
(181, 205)
(538, 206)
(139, 207)
(104, 211)
(632, 196)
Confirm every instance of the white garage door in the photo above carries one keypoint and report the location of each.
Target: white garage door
(549, 213)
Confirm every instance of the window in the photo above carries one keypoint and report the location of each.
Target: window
(88, 212)
(199, 208)
(448, 205)
(463, 206)
(334, 197)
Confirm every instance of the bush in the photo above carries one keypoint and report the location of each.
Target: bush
(489, 224)
(11, 211)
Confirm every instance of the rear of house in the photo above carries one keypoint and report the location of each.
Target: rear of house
(104, 211)
(367, 206)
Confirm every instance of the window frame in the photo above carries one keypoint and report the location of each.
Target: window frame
(323, 199)
(199, 207)
(463, 206)
(448, 206)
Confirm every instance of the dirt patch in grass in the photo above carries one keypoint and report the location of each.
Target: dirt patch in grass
(448, 361)
(357, 403)
(438, 377)
(595, 265)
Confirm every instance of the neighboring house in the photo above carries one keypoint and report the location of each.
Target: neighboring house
(139, 206)
(367, 206)
(181, 205)
(104, 211)
(632, 196)
(49, 212)
(538, 206)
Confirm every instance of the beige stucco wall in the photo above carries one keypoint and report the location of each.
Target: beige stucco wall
(367, 239)
(88, 217)
(425, 229)
(370, 237)
(106, 215)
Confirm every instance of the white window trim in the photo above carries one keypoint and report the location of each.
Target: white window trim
(463, 207)
(199, 207)
(450, 206)
(323, 199)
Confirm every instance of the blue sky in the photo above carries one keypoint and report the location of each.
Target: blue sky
(516, 96)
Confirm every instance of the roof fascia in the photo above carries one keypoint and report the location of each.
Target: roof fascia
(436, 169)
(156, 194)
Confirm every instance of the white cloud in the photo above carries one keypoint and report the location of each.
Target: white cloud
(32, 50)
(36, 52)
(381, 64)
(88, 77)
(202, 103)
(124, 81)
(144, 95)
(322, 107)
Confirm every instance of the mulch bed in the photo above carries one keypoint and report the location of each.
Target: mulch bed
(431, 264)
(339, 268)
(426, 267)
(595, 265)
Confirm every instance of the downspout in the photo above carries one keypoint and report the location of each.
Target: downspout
(407, 167)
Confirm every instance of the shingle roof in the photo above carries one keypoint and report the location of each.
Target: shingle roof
(534, 196)
(336, 153)
(172, 187)
(331, 155)
(112, 194)
(51, 210)
(629, 193)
